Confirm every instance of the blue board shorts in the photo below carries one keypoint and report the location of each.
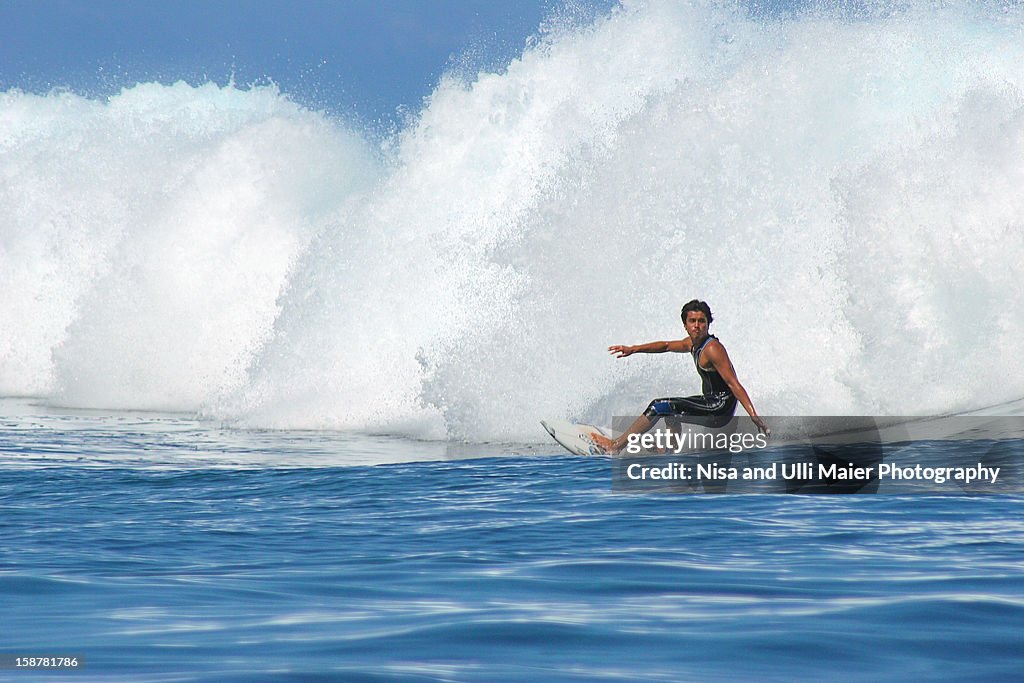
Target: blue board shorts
(710, 410)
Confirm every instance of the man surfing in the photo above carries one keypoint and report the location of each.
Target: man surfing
(720, 389)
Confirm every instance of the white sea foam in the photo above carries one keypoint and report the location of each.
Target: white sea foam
(843, 189)
(146, 239)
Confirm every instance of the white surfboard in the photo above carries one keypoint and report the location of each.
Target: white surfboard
(575, 437)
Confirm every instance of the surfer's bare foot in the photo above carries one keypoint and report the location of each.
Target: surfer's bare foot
(604, 443)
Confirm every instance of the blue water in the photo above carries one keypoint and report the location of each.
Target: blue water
(510, 567)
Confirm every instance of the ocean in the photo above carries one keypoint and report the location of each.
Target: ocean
(273, 381)
(154, 547)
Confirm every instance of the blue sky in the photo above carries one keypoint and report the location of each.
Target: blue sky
(361, 58)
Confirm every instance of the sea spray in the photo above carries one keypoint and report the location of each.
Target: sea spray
(147, 238)
(841, 187)
(667, 151)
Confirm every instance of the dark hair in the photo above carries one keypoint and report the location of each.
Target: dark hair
(696, 305)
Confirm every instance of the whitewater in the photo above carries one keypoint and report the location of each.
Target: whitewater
(843, 187)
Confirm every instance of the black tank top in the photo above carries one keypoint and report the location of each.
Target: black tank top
(710, 381)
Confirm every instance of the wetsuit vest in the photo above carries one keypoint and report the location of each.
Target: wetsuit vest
(710, 381)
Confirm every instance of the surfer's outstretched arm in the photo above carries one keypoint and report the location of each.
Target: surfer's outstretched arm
(677, 346)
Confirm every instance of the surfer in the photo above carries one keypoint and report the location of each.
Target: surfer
(720, 389)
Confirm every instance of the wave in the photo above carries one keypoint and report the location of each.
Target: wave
(841, 187)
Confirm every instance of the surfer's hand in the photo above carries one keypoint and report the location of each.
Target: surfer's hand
(620, 351)
(761, 426)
